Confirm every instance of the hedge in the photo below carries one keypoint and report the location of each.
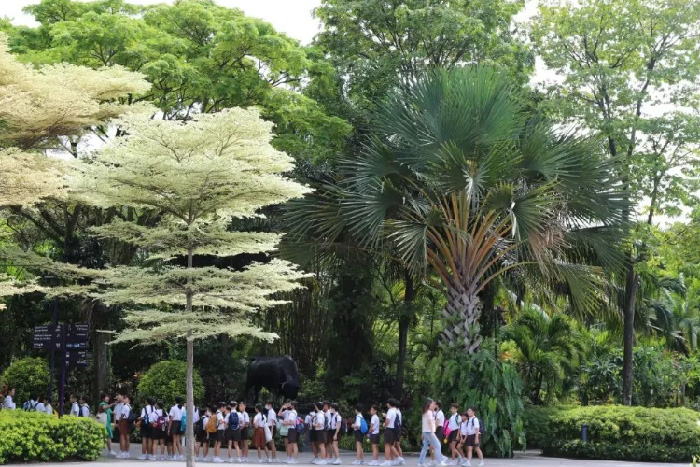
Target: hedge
(615, 432)
(32, 436)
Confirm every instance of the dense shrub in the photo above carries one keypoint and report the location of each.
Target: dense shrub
(615, 432)
(166, 380)
(494, 388)
(28, 376)
(32, 436)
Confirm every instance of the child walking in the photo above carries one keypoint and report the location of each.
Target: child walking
(359, 436)
(259, 424)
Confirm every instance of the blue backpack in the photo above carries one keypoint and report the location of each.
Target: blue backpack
(363, 426)
(233, 422)
(183, 422)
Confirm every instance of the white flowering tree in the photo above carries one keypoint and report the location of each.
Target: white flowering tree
(196, 176)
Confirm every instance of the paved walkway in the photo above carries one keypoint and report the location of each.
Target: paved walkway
(522, 459)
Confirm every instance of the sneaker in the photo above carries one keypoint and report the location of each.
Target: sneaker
(444, 462)
(386, 463)
(337, 462)
(358, 462)
(120, 455)
(374, 463)
(481, 464)
(401, 461)
(218, 460)
(467, 464)
(198, 459)
(112, 453)
(127, 455)
(152, 457)
(292, 461)
(171, 458)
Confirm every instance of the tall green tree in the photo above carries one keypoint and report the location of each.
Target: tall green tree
(197, 176)
(461, 183)
(622, 76)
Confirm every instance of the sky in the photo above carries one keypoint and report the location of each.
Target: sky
(292, 17)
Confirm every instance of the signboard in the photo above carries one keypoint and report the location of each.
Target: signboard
(76, 358)
(48, 337)
(78, 332)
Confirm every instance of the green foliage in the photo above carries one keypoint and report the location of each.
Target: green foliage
(494, 388)
(166, 380)
(615, 432)
(28, 376)
(32, 437)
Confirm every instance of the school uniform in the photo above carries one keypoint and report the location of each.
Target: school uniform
(236, 435)
(374, 430)
(336, 421)
(390, 433)
(74, 409)
(202, 436)
(146, 419)
(40, 407)
(439, 425)
(329, 432)
(220, 427)
(124, 425)
(358, 428)
(290, 418)
(84, 410)
(157, 432)
(320, 427)
(453, 424)
(245, 425)
(397, 426)
(309, 422)
(9, 403)
(259, 422)
(175, 415)
(472, 429)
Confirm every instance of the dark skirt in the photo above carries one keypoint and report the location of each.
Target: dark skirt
(176, 427)
(292, 435)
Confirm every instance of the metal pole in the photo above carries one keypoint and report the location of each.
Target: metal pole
(62, 387)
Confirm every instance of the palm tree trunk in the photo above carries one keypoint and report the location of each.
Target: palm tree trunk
(461, 313)
(404, 325)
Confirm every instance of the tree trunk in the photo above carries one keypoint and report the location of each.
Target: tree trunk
(404, 325)
(189, 430)
(461, 313)
(630, 304)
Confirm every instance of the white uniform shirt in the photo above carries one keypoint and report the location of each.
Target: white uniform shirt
(336, 421)
(118, 411)
(126, 411)
(147, 414)
(9, 403)
(391, 415)
(74, 409)
(85, 410)
(195, 415)
(244, 419)
(463, 428)
(48, 409)
(454, 422)
(220, 421)
(290, 418)
(40, 407)
(374, 421)
(309, 420)
(271, 417)
(358, 421)
(320, 421)
(259, 420)
(439, 419)
(472, 426)
(176, 413)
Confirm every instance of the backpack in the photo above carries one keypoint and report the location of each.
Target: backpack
(343, 426)
(300, 426)
(80, 411)
(29, 406)
(326, 422)
(130, 418)
(363, 426)
(158, 423)
(233, 422)
(397, 422)
(183, 421)
(446, 426)
(481, 424)
(199, 426)
(211, 424)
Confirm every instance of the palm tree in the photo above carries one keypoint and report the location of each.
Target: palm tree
(461, 183)
(546, 350)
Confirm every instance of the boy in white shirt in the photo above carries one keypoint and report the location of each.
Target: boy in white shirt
(453, 437)
(221, 426)
(9, 399)
(374, 434)
(245, 429)
(74, 408)
(272, 423)
(359, 436)
(336, 433)
(309, 422)
(320, 429)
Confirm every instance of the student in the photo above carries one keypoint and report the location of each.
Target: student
(439, 429)
(74, 408)
(146, 430)
(359, 436)
(117, 418)
(221, 425)
(288, 413)
(320, 429)
(336, 426)
(454, 422)
(30, 405)
(158, 434)
(40, 406)
(234, 431)
(201, 434)
(84, 407)
(309, 423)
(259, 441)
(9, 399)
(125, 427)
(329, 432)
(245, 429)
(391, 423)
(374, 435)
(211, 428)
(397, 428)
(272, 424)
(175, 428)
(48, 408)
(107, 409)
(428, 432)
(473, 437)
